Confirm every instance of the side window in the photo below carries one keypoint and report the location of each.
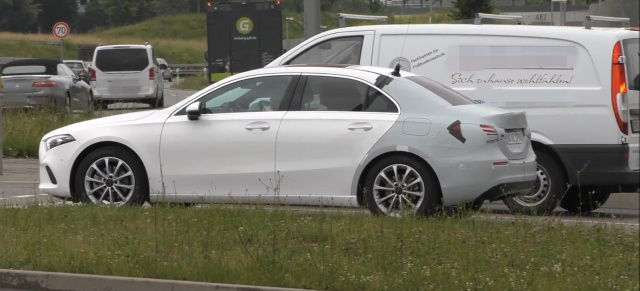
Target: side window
(256, 94)
(344, 50)
(338, 94)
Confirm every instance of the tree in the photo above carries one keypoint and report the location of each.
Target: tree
(92, 18)
(17, 15)
(55, 11)
(467, 9)
(124, 12)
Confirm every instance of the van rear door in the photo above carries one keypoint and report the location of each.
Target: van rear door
(123, 71)
(631, 51)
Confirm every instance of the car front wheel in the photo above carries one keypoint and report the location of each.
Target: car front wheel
(400, 185)
(111, 176)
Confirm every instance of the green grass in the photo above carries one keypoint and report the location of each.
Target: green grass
(23, 130)
(192, 83)
(323, 251)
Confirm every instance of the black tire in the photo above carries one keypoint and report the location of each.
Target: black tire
(170, 78)
(100, 105)
(549, 189)
(67, 104)
(428, 205)
(585, 199)
(134, 188)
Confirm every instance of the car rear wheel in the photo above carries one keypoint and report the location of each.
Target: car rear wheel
(67, 103)
(585, 199)
(111, 176)
(548, 189)
(400, 185)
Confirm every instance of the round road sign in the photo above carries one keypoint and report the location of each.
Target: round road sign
(61, 30)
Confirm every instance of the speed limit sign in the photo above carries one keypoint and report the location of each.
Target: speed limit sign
(61, 30)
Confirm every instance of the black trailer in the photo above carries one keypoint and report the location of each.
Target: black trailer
(242, 36)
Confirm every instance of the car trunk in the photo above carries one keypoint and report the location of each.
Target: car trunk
(18, 90)
(511, 127)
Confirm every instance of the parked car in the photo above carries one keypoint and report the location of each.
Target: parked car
(399, 141)
(43, 83)
(126, 73)
(578, 86)
(166, 70)
(79, 68)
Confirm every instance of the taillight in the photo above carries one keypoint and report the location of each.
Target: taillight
(456, 131)
(93, 75)
(152, 74)
(491, 132)
(44, 84)
(618, 86)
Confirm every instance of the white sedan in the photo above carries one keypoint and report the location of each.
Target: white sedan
(333, 136)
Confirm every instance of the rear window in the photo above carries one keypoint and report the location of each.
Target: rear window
(27, 70)
(122, 59)
(425, 88)
(631, 49)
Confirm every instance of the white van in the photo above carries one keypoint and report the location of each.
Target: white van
(578, 86)
(125, 73)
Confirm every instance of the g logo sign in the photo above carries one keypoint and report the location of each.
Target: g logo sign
(244, 25)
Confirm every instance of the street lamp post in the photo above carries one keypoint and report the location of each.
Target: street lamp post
(288, 19)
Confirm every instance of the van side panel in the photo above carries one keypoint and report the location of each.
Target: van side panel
(563, 87)
(555, 81)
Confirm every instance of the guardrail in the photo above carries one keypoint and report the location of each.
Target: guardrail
(188, 69)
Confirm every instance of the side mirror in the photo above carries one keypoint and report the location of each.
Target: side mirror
(193, 111)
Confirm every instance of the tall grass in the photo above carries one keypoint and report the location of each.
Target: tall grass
(325, 250)
(23, 130)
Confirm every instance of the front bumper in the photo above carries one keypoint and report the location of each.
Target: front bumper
(55, 169)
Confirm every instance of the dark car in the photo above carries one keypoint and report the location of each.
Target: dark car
(43, 83)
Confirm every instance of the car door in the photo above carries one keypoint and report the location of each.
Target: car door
(67, 76)
(321, 144)
(230, 149)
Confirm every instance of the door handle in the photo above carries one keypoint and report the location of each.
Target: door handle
(360, 126)
(257, 126)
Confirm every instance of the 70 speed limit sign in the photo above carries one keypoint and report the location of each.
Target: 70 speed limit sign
(61, 30)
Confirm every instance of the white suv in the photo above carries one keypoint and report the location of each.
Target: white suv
(123, 73)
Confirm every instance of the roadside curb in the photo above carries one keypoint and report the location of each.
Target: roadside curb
(34, 280)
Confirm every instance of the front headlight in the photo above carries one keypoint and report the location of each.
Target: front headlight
(57, 140)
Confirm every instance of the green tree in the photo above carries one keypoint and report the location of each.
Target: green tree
(467, 9)
(17, 15)
(124, 12)
(93, 17)
(55, 11)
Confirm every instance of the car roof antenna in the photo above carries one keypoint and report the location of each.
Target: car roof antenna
(396, 71)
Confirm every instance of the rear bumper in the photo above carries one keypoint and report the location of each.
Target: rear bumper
(507, 190)
(598, 165)
(105, 95)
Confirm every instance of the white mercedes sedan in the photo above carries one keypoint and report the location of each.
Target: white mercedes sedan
(299, 135)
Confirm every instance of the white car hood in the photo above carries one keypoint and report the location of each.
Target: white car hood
(120, 118)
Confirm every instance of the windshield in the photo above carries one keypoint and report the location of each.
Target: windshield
(631, 50)
(74, 65)
(424, 87)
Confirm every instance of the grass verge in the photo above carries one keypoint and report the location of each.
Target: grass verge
(324, 250)
(23, 130)
(192, 83)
